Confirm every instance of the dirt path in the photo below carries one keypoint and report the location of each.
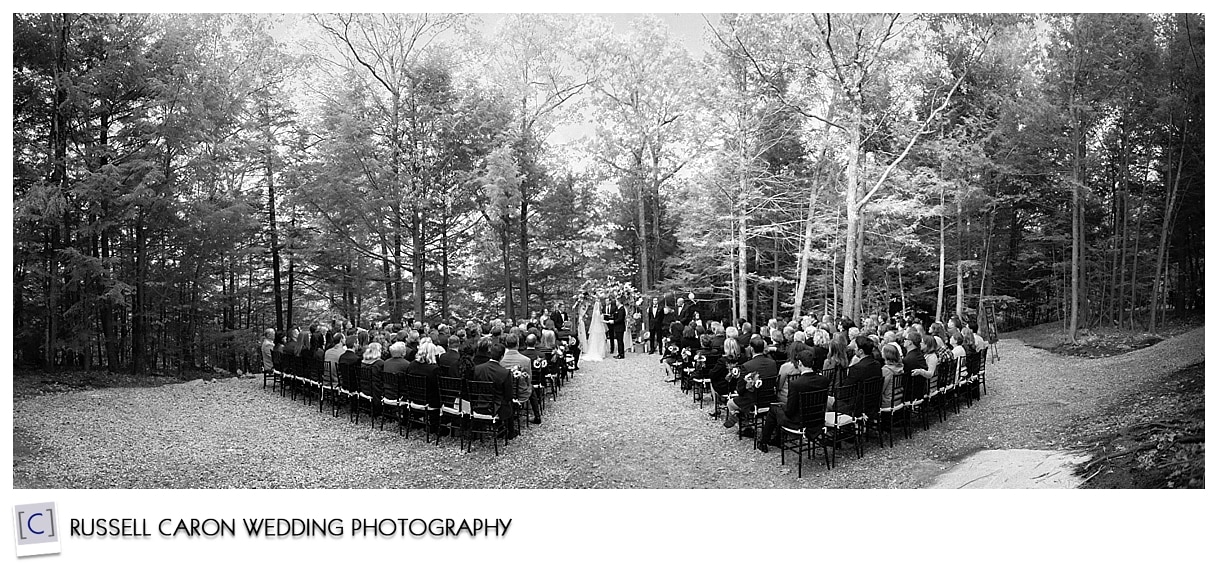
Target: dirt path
(617, 425)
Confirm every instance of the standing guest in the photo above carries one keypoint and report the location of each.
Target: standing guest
(654, 322)
(685, 313)
(809, 379)
(267, 349)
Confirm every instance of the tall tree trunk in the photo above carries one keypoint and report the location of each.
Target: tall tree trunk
(960, 256)
(853, 205)
(805, 255)
(774, 295)
(138, 322)
(1165, 234)
(418, 258)
(942, 254)
(742, 266)
(444, 264)
(505, 239)
(524, 247)
(641, 221)
(274, 228)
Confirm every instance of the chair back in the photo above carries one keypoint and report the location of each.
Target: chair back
(481, 394)
(767, 393)
(391, 384)
(369, 381)
(897, 396)
(416, 388)
(845, 400)
(348, 377)
(945, 374)
(971, 362)
(330, 374)
(835, 376)
(873, 391)
(452, 389)
(812, 410)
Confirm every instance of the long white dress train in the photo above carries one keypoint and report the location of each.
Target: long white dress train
(595, 351)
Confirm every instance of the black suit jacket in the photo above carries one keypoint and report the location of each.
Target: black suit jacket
(865, 369)
(807, 381)
(655, 319)
(449, 360)
(559, 318)
(504, 387)
(686, 314)
(618, 314)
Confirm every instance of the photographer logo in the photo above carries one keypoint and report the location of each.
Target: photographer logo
(37, 531)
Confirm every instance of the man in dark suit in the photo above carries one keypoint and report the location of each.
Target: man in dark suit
(451, 356)
(504, 385)
(685, 312)
(864, 370)
(655, 325)
(558, 316)
(617, 328)
(809, 379)
(764, 367)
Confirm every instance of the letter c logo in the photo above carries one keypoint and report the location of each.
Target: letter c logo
(29, 523)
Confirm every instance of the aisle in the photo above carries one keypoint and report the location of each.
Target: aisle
(627, 428)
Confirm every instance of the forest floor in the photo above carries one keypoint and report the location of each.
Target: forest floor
(616, 425)
(1102, 341)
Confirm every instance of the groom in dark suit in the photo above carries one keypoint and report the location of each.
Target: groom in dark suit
(617, 328)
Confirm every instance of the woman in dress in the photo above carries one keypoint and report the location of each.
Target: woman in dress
(597, 329)
(581, 327)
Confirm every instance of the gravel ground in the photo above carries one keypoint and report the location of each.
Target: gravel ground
(616, 425)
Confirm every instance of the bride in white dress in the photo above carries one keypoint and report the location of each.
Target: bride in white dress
(595, 350)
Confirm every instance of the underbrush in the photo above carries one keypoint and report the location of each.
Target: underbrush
(1153, 438)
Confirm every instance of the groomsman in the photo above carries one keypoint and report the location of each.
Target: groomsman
(558, 316)
(655, 324)
(617, 328)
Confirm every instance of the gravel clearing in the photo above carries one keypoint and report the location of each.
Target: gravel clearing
(616, 425)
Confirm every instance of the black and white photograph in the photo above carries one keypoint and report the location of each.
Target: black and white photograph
(608, 251)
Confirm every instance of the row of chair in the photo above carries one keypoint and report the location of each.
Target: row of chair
(438, 403)
(863, 415)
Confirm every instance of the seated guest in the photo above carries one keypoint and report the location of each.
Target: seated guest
(514, 360)
(753, 374)
(451, 356)
(914, 365)
(892, 369)
(865, 369)
(978, 342)
(809, 379)
(293, 345)
(353, 353)
(721, 371)
(424, 364)
(370, 371)
(838, 356)
(718, 336)
(504, 386)
(393, 370)
(689, 339)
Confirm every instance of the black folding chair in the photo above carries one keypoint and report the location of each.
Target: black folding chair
(810, 433)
